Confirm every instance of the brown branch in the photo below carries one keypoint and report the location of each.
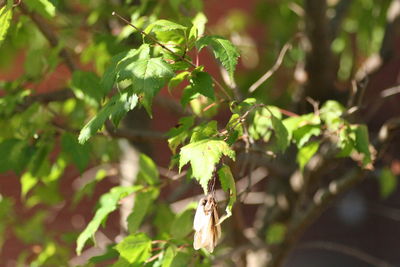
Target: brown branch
(347, 250)
(319, 61)
(321, 200)
(50, 35)
(341, 9)
(277, 64)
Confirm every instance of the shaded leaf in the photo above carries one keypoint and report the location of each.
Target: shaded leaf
(148, 170)
(200, 84)
(276, 233)
(142, 204)
(86, 86)
(77, 153)
(115, 109)
(223, 50)
(107, 204)
(387, 183)
(362, 144)
(182, 225)
(281, 133)
(147, 76)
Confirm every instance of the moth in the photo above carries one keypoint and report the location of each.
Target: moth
(206, 224)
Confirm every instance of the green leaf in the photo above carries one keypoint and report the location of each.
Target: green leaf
(43, 7)
(362, 144)
(86, 86)
(142, 204)
(282, 136)
(204, 131)
(27, 183)
(387, 182)
(276, 233)
(203, 155)
(110, 74)
(175, 81)
(108, 203)
(148, 170)
(199, 22)
(115, 109)
(305, 153)
(147, 76)
(179, 134)
(14, 155)
(229, 186)
(169, 256)
(303, 134)
(223, 50)
(5, 19)
(182, 225)
(164, 25)
(262, 123)
(135, 248)
(200, 84)
(331, 112)
(77, 153)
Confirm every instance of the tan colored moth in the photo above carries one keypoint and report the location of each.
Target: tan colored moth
(206, 224)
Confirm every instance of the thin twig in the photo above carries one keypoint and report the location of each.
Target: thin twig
(276, 66)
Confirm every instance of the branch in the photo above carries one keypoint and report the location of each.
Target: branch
(49, 34)
(341, 9)
(301, 220)
(347, 250)
(276, 66)
(319, 61)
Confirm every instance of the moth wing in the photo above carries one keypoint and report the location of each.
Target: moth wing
(203, 236)
(209, 235)
(197, 240)
(200, 216)
(216, 224)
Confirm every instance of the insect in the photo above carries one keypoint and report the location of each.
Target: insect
(206, 224)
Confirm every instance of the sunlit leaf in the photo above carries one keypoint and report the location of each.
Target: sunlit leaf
(306, 152)
(203, 155)
(5, 19)
(135, 248)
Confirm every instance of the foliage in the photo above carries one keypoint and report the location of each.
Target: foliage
(43, 139)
